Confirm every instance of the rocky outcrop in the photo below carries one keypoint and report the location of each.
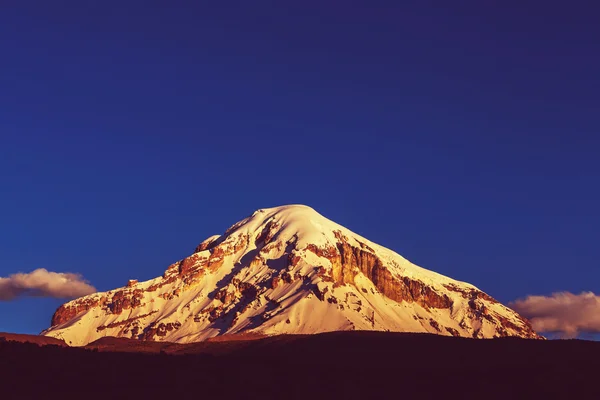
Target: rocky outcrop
(124, 300)
(470, 293)
(208, 244)
(161, 329)
(125, 323)
(267, 233)
(120, 300)
(452, 331)
(348, 260)
(68, 311)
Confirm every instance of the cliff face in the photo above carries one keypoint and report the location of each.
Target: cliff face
(287, 270)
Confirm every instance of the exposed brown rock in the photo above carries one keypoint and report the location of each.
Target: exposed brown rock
(452, 331)
(191, 262)
(207, 244)
(224, 249)
(287, 277)
(328, 252)
(248, 290)
(225, 296)
(215, 313)
(125, 299)
(275, 282)
(193, 277)
(216, 259)
(348, 260)
(471, 293)
(272, 246)
(124, 322)
(294, 260)
(476, 299)
(134, 331)
(69, 311)
(526, 330)
(159, 330)
(267, 233)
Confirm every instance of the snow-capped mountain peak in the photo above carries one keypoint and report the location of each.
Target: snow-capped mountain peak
(287, 270)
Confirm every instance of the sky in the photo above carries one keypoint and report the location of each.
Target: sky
(463, 135)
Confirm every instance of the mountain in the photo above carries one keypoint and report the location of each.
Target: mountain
(287, 270)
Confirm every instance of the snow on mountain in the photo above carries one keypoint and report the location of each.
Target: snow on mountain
(287, 270)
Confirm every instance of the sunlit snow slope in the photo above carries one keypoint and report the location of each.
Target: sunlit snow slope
(287, 270)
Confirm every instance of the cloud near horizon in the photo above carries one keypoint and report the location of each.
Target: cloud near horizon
(44, 283)
(565, 313)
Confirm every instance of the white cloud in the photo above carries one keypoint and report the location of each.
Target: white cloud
(44, 283)
(565, 313)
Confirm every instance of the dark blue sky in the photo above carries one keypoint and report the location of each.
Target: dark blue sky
(466, 137)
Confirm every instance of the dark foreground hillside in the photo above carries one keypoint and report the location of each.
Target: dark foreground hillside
(334, 365)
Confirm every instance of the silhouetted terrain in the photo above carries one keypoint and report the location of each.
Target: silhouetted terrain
(37, 339)
(331, 365)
